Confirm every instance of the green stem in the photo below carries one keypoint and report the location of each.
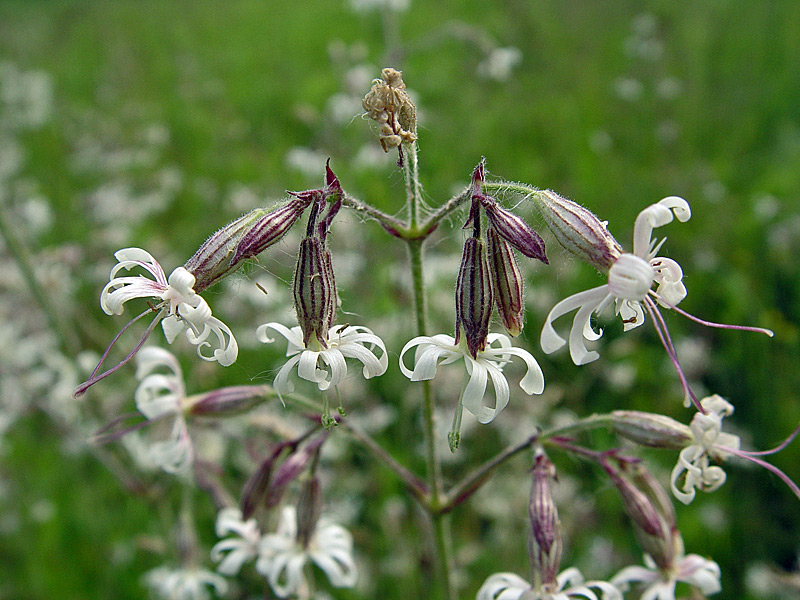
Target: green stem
(413, 188)
(434, 469)
(20, 254)
(475, 480)
(417, 487)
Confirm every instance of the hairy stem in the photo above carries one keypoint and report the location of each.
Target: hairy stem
(434, 468)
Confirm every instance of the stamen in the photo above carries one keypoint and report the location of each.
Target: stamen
(691, 317)
(663, 333)
(94, 378)
(751, 456)
(780, 446)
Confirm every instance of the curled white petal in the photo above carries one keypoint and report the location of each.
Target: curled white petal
(176, 453)
(233, 552)
(503, 586)
(331, 549)
(327, 367)
(224, 347)
(585, 303)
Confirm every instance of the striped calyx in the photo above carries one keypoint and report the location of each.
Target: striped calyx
(578, 230)
(506, 282)
(473, 296)
(314, 286)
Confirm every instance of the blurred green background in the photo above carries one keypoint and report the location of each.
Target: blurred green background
(154, 123)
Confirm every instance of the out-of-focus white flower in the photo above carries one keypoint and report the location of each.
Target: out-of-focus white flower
(239, 549)
(189, 583)
(499, 63)
(160, 397)
(709, 443)
(693, 569)
(367, 5)
(326, 366)
(282, 557)
(442, 349)
(185, 310)
(570, 584)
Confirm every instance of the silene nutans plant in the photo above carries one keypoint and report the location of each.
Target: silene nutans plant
(279, 533)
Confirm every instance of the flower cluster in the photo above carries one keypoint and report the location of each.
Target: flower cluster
(281, 556)
(480, 285)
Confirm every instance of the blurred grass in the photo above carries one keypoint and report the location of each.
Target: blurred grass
(229, 80)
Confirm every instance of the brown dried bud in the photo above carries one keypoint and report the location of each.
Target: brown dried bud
(473, 296)
(217, 256)
(315, 298)
(506, 282)
(544, 544)
(578, 230)
(513, 229)
(388, 104)
(651, 429)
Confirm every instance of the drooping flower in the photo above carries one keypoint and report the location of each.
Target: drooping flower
(326, 366)
(161, 398)
(190, 583)
(233, 552)
(282, 555)
(631, 278)
(488, 364)
(179, 307)
(694, 471)
(692, 569)
(569, 584)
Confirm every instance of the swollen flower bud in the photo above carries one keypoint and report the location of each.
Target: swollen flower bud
(513, 229)
(473, 296)
(544, 544)
(506, 282)
(295, 464)
(272, 227)
(309, 506)
(651, 429)
(229, 401)
(315, 298)
(578, 229)
(653, 529)
(217, 256)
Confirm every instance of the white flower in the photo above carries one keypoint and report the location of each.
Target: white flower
(441, 349)
(630, 280)
(500, 63)
(326, 366)
(184, 584)
(185, 309)
(693, 569)
(282, 558)
(239, 550)
(569, 584)
(709, 443)
(160, 397)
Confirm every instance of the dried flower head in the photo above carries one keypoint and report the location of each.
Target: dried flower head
(388, 104)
